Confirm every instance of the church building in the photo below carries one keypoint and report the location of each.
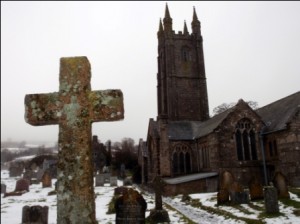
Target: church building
(188, 148)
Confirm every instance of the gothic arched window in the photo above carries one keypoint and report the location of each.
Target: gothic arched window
(203, 154)
(181, 160)
(245, 140)
(175, 163)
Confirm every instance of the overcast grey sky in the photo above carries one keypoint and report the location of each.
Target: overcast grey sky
(251, 51)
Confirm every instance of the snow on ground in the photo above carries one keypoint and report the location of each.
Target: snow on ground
(11, 207)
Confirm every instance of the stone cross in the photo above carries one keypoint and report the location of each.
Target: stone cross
(74, 108)
(158, 185)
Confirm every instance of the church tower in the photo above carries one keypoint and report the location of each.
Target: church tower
(181, 80)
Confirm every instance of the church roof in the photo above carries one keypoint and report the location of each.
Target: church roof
(188, 130)
(275, 115)
(279, 113)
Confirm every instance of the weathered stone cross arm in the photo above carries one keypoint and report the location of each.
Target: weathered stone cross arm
(75, 99)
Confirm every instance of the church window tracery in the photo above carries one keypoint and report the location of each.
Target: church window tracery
(181, 160)
(245, 140)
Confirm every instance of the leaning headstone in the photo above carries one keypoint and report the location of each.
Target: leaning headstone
(130, 208)
(271, 200)
(3, 188)
(255, 189)
(158, 214)
(35, 214)
(113, 181)
(75, 107)
(46, 180)
(280, 183)
(22, 185)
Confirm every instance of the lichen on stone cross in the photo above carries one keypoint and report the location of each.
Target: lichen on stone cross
(74, 108)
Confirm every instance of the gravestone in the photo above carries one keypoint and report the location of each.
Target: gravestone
(15, 171)
(225, 183)
(120, 190)
(222, 196)
(106, 177)
(46, 164)
(75, 107)
(100, 179)
(39, 175)
(35, 214)
(22, 185)
(113, 181)
(239, 197)
(256, 189)
(28, 174)
(271, 200)
(280, 183)
(3, 188)
(46, 179)
(127, 181)
(237, 194)
(122, 171)
(130, 208)
(158, 214)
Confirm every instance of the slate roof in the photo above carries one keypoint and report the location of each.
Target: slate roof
(188, 130)
(277, 114)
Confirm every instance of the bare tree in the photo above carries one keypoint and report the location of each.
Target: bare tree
(225, 106)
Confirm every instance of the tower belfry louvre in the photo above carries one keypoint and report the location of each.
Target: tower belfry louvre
(181, 79)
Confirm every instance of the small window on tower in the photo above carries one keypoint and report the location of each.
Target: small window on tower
(185, 54)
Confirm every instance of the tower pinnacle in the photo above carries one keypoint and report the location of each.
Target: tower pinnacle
(195, 23)
(167, 20)
(185, 30)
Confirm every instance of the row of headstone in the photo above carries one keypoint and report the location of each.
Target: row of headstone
(229, 188)
(104, 178)
(231, 191)
(22, 186)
